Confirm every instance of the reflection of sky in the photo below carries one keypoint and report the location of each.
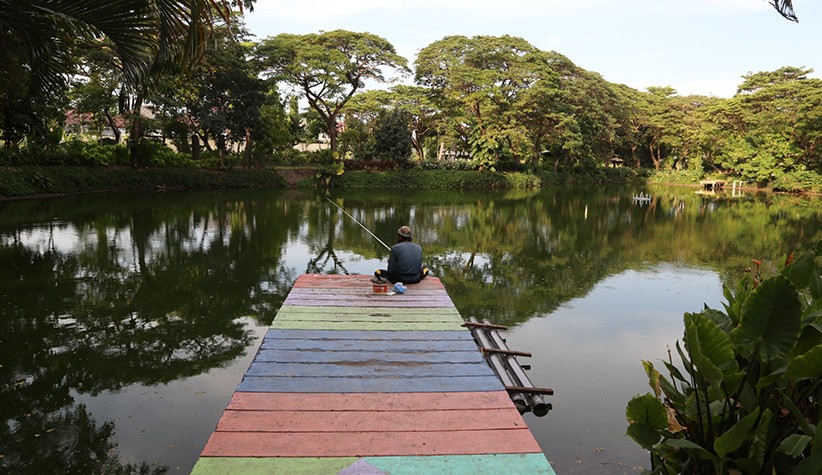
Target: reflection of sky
(590, 350)
(182, 406)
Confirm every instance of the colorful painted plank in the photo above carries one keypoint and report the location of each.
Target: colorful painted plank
(355, 357)
(369, 345)
(367, 370)
(363, 444)
(347, 382)
(509, 464)
(368, 401)
(370, 385)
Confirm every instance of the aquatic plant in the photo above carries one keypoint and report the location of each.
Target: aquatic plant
(744, 395)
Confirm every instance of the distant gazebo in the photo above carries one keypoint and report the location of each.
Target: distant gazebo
(616, 162)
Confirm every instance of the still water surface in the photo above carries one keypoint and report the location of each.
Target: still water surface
(127, 321)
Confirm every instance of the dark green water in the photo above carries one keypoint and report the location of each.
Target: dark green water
(126, 321)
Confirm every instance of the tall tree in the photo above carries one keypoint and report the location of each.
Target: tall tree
(479, 81)
(330, 67)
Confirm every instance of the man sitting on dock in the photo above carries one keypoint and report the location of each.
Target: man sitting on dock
(405, 260)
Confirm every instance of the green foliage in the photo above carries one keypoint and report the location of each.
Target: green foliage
(745, 394)
(436, 180)
(392, 139)
(61, 179)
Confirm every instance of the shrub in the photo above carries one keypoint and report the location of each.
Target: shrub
(744, 397)
(799, 181)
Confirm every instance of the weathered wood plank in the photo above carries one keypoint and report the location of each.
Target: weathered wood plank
(242, 401)
(368, 345)
(352, 317)
(387, 335)
(509, 464)
(373, 326)
(342, 444)
(267, 466)
(380, 300)
(420, 357)
(377, 369)
(373, 421)
(369, 385)
(368, 290)
(368, 310)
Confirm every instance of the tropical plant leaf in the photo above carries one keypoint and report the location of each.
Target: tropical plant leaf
(653, 377)
(759, 444)
(720, 318)
(734, 437)
(808, 365)
(646, 417)
(771, 320)
(710, 347)
(801, 270)
(794, 445)
(691, 447)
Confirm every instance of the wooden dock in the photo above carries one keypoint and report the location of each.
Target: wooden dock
(351, 382)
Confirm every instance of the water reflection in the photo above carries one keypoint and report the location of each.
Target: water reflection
(115, 308)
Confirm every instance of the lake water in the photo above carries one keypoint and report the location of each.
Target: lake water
(126, 321)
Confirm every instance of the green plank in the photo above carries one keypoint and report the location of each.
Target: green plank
(329, 325)
(370, 310)
(352, 317)
(509, 464)
(255, 466)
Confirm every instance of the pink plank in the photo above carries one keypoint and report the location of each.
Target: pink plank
(393, 303)
(364, 444)
(368, 401)
(370, 421)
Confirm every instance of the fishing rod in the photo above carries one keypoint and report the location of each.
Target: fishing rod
(361, 225)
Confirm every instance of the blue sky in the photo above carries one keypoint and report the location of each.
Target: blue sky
(694, 46)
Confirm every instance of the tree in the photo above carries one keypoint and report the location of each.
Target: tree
(329, 67)
(479, 81)
(148, 37)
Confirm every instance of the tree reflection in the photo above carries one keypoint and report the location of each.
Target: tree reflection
(145, 294)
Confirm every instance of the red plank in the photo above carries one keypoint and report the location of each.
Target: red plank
(365, 444)
(383, 302)
(368, 401)
(370, 421)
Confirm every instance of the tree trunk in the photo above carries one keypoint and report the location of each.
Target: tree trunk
(136, 134)
(195, 147)
(113, 126)
(331, 125)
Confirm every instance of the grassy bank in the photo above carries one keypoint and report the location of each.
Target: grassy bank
(469, 179)
(27, 181)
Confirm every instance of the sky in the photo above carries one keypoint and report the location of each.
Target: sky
(694, 46)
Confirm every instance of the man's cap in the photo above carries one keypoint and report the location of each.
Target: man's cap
(405, 232)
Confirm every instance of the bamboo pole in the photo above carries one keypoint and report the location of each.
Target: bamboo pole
(536, 401)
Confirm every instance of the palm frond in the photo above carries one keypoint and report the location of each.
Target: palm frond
(785, 8)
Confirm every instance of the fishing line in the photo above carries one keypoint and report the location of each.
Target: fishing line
(361, 225)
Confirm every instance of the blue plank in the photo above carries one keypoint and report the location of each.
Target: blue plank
(377, 370)
(287, 356)
(369, 345)
(459, 335)
(369, 385)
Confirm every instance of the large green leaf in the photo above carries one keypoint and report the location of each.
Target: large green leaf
(771, 320)
(710, 347)
(732, 439)
(808, 365)
(647, 417)
(795, 444)
(692, 447)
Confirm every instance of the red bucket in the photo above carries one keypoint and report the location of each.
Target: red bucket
(380, 288)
